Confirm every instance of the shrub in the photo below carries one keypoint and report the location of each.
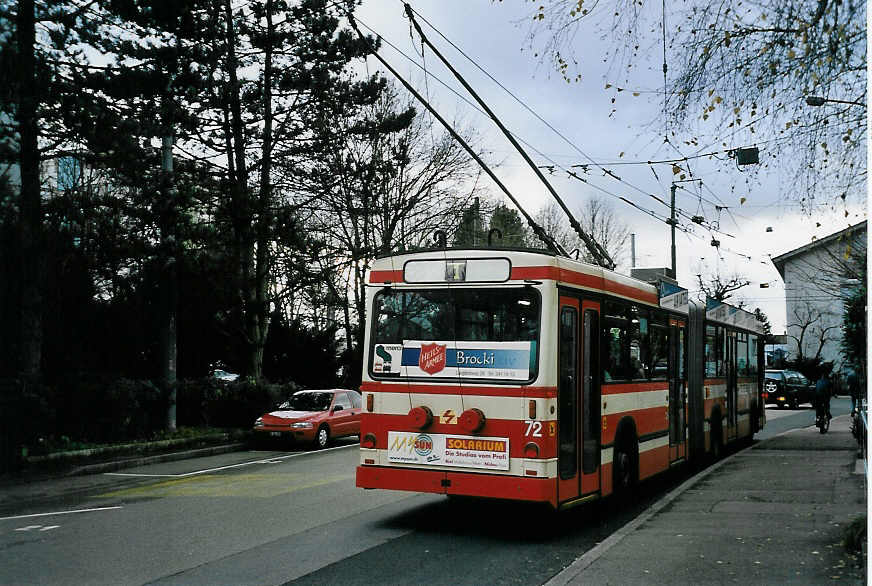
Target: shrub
(208, 401)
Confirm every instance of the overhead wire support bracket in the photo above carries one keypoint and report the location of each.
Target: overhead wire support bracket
(599, 254)
(552, 244)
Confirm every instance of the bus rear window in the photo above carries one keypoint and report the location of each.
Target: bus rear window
(471, 333)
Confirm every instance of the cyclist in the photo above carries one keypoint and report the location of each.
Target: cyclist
(822, 390)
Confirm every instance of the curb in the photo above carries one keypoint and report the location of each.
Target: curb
(156, 459)
(570, 573)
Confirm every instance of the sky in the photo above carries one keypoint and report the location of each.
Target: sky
(495, 36)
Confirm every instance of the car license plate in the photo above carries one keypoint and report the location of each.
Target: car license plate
(275, 433)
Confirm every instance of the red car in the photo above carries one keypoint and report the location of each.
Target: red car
(312, 416)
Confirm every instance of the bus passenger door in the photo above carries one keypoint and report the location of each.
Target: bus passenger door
(677, 390)
(567, 400)
(578, 394)
(590, 398)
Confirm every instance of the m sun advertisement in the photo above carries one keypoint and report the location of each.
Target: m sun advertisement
(438, 449)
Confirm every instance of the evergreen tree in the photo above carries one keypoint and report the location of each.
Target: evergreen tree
(854, 325)
(471, 231)
(511, 226)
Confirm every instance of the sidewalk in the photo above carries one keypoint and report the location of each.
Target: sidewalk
(771, 514)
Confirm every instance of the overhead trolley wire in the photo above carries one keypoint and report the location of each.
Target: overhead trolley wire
(547, 124)
(600, 255)
(482, 112)
(554, 164)
(548, 240)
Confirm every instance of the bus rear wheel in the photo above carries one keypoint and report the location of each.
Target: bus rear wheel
(625, 466)
(717, 439)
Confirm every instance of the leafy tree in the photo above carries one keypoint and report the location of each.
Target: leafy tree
(741, 68)
(271, 111)
(303, 354)
(854, 325)
(32, 127)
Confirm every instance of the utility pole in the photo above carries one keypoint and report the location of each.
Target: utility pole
(672, 226)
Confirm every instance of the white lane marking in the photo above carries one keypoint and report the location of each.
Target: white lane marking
(273, 460)
(59, 513)
(143, 475)
(29, 527)
(49, 527)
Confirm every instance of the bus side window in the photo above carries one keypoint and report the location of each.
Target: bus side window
(752, 355)
(616, 343)
(711, 361)
(742, 353)
(638, 341)
(658, 343)
(720, 351)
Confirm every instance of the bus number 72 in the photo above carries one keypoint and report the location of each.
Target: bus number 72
(534, 428)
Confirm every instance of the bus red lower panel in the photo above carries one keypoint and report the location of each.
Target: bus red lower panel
(485, 485)
(503, 487)
(400, 479)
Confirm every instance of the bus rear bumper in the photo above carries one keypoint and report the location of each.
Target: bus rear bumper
(459, 483)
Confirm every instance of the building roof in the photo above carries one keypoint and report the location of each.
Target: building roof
(781, 260)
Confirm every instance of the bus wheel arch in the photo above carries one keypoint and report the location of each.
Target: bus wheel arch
(625, 457)
(716, 435)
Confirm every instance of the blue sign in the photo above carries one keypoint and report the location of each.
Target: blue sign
(475, 358)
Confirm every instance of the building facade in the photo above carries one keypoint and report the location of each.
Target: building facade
(817, 279)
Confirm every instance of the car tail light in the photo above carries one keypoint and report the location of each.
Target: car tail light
(531, 409)
(472, 420)
(765, 395)
(531, 450)
(421, 417)
(368, 441)
(369, 402)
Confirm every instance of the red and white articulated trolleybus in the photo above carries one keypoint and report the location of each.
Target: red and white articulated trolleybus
(524, 375)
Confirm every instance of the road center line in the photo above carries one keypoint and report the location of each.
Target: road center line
(60, 513)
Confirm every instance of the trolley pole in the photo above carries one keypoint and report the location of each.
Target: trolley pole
(672, 227)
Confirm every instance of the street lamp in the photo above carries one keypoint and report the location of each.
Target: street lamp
(819, 101)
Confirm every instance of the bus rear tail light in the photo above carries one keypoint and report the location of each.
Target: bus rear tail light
(531, 450)
(370, 400)
(531, 409)
(472, 420)
(368, 441)
(421, 417)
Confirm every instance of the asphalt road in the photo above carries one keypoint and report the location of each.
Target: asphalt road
(280, 517)
(780, 420)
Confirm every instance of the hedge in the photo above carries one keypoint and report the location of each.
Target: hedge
(47, 416)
